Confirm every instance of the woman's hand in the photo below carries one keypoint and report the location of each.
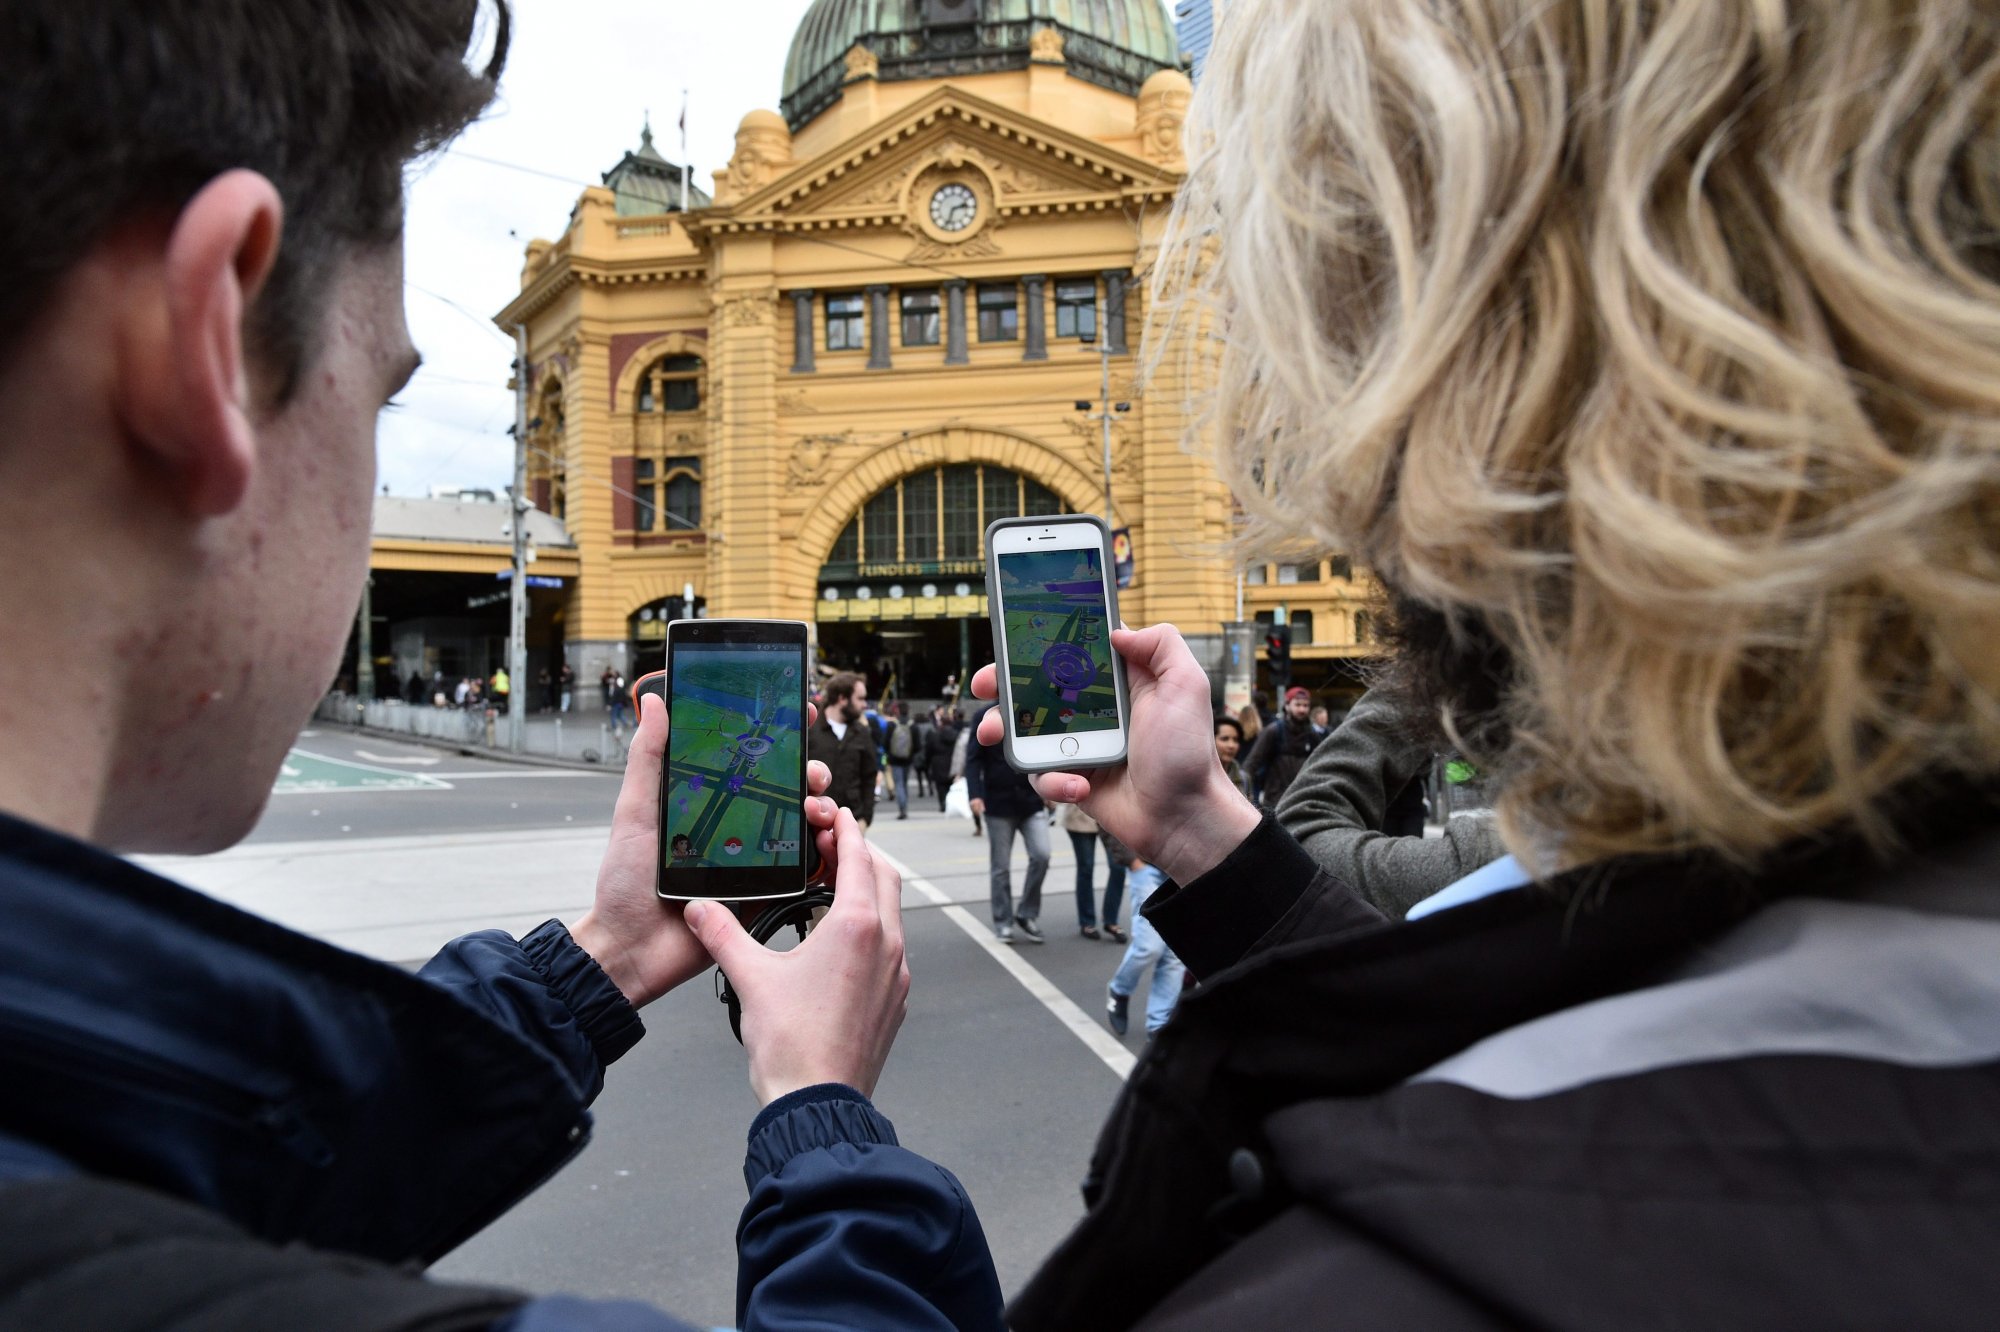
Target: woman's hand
(829, 1009)
(1170, 800)
(639, 938)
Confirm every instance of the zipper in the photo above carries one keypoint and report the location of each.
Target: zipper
(65, 1050)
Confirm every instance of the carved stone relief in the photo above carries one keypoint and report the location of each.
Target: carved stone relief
(812, 459)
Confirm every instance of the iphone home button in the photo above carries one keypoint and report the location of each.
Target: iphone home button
(1069, 746)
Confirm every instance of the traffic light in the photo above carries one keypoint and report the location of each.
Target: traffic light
(1278, 651)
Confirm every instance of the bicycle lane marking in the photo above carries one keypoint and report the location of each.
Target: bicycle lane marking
(306, 773)
(1065, 1010)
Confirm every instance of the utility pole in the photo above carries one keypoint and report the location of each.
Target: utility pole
(518, 504)
(364, 645)
(1107, 410)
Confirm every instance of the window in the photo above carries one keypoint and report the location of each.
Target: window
(683, 504)
(1003, 494)
(1076, 310)
(962, 528)
(920, 318)
(673, 384)
(999, 313)
(878, 527)
(1342, 566)
(1039, 499)
(684, 465)
(1364, 627)
(1302, 626)
(647, 494)
(1256, 575)
(846, 546)
(845, 324)
(920, 516)
(1299, 573)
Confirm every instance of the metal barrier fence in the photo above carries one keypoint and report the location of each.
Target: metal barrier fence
(545, 734)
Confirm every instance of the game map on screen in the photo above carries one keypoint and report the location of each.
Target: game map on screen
(733, 756)
(1058, 642)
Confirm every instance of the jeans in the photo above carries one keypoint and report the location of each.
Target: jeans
(1086, 897)
(901, 773)
(1149, 949)
(1000, 830)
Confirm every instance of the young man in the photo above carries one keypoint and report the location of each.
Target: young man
(206, 1120)
(843, 740)
(1010, 804)
(1281, 750)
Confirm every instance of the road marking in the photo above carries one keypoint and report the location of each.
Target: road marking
(419, 760)
(516, 776)
(1081, 1024)
(319, 774)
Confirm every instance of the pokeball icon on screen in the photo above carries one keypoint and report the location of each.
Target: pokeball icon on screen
(734, 846)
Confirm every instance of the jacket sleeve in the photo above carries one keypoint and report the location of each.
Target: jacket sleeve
(1338, 803)
(844, 1228)
(1266, 892)
(548, 991)
(975, 765)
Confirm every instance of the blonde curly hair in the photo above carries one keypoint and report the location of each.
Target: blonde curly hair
(1657, 341)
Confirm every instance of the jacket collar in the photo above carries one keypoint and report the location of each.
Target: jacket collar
(153, 1034)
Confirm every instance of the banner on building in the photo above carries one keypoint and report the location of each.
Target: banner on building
(1121, 555)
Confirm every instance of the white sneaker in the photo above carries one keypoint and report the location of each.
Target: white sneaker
(1005, 933)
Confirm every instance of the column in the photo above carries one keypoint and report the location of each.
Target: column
(802, 332)
(878, 327)
(1114, 309)
(954, 322)
(1033, 289)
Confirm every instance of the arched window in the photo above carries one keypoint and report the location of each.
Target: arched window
(672, 384)
(547, 442)
(939, 514)
(668, 494)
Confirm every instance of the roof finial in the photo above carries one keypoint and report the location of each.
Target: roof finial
(646, 131)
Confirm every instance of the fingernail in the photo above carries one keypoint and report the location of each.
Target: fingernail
(695, 912)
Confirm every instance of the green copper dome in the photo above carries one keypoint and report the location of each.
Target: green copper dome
(1115, 43)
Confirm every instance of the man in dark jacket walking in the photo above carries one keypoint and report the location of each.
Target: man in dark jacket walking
(843, 740)
(207, 1120)
(1011, 805)
(1282, 749)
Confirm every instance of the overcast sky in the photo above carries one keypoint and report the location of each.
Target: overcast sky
(579, 81)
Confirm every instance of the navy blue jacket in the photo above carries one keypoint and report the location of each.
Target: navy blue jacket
(989, 777)
(153, 1035)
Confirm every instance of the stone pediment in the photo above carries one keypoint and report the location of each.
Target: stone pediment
(1027, 163)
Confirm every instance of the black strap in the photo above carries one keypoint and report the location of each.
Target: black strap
(802, 912)
(88, 1253)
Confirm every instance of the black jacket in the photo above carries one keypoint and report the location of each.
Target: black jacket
(1275, 759)
(852, 760)
(939, 741)
(988, 777)
(1650, 1094)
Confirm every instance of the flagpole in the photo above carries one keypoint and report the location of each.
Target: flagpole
(685, 166)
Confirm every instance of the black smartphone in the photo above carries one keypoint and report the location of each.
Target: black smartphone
(732, 792)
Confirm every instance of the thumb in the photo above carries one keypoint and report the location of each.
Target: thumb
(718, 930)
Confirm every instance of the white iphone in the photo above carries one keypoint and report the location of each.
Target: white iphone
(1052, 593)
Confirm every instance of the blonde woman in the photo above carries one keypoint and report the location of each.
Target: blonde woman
(1649, 352)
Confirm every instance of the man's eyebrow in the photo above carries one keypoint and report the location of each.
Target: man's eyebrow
(410, 369)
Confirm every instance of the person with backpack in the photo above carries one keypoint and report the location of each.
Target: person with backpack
(900, 748)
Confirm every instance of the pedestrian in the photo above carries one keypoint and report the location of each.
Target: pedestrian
(440, 691)
(842, 741)
(961, 747)
(1320, 719)
(1147, 949)
(900, 747)
(546, 686)
(461, 691)
(1260, 704)
(413, 692)
(207, 1120)
(1010, 805)
(501, 686)
(1649, 355)
(922, 727)
(566, 682)
(475, 694)
(1282, 749)
(939, 748)
(1228, 744)
(619, 699)
(1083, 834)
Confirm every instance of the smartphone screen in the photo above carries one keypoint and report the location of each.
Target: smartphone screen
(1053, 605)
(732, 793)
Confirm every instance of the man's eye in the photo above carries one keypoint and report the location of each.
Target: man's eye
(393, 405)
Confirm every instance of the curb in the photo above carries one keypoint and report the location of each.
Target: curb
(473, 751)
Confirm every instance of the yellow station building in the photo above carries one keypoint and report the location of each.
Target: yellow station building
(804, 393)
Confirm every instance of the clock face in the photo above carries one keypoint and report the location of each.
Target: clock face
(953, 207)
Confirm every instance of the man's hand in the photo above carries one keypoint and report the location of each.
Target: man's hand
(978, 805)
(828, 1010)
(1169, 801)
(640, 939)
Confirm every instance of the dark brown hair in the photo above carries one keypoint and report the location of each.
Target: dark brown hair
(841, 687)
(116, 110)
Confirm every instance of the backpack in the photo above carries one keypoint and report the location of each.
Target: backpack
(901, 746)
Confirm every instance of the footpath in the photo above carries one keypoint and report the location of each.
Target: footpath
(583, 741)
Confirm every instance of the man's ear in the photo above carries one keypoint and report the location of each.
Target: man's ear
(188, 396)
